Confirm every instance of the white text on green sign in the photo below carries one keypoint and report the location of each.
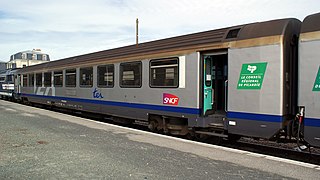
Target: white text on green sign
(251, 75)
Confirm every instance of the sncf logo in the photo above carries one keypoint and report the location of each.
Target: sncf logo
(170, 99)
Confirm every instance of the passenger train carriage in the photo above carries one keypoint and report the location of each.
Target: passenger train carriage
(309, 77)
(237, 81)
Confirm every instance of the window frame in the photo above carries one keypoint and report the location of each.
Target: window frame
(39, 85)
(98, 76)
(44, 79)
(151, 73)
(55, 73)
(121, 74)
(75, 77)
(81, 78)
(25, 83)
(31, 79)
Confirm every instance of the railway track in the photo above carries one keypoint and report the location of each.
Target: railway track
(287, 151)
(283, 150)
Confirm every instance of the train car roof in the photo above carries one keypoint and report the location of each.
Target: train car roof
(179, 43)
(311, 23)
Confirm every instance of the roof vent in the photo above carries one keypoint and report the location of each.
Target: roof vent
(233, 33)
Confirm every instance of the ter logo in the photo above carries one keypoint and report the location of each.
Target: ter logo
(170, 99)
(251, 68)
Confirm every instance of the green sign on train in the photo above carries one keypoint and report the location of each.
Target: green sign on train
(251, 75)
(316, 86)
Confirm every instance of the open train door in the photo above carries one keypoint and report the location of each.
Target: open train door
(215, 83)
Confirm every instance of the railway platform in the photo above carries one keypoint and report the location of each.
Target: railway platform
(41, 144)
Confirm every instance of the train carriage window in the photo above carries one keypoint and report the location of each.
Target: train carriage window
(47, 79)
(164, 73)
(71, 78)
(58, 78)
(86, 77)
(24, 80)
(38, 56)
(31, 80)
(29, 56)
(39, 79)
(106, 76)
(130, 75)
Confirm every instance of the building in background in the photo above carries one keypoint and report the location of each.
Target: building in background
(27, 58)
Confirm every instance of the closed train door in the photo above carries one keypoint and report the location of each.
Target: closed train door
(215, 83)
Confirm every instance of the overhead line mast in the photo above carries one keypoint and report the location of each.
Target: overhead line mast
(137, 32)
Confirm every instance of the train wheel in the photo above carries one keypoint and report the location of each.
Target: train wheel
(233, 137)
(153, 126)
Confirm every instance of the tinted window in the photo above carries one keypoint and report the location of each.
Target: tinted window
(18, 56)
(86, 76)
(47, 79)
(164, 73)
(39, 79)
(29, 56)
(106, 76)
(31, 80)
(130, 74)
(58, 78)
(39, 56)
(25, 80)
(71, 78)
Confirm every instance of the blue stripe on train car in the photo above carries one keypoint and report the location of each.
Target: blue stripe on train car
(124, 104)
(312, 122)
(255, 117)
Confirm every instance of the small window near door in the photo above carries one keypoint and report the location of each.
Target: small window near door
(208, 72)
(164, 73)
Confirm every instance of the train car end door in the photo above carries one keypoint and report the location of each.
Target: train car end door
(215, 83)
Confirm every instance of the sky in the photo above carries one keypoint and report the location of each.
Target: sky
(66, 28)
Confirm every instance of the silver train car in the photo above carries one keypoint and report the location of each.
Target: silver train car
(230, 82)
(309, 78)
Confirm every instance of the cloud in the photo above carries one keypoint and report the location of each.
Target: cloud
(65, 28)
